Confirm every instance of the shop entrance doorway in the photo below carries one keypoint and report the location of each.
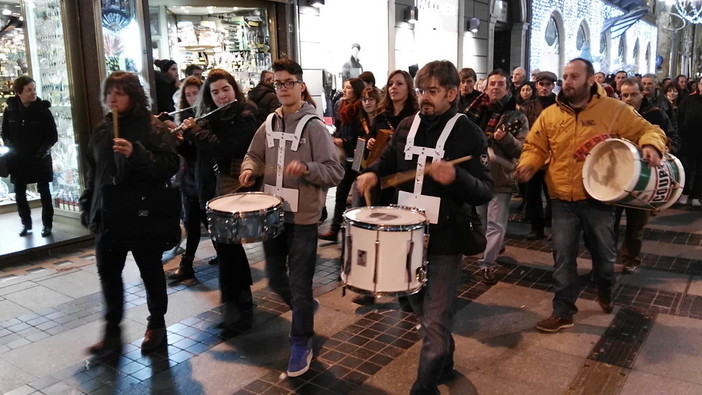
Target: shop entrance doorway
(502, 49)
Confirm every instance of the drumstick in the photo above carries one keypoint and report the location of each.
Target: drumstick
(115, 123)
(402, 177)
(367, 196)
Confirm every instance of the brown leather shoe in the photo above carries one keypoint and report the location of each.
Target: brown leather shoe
(153, 338)
(554, 323)
(107, 346)
(330, 235)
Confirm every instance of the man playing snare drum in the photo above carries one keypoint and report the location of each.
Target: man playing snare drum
(295, 154)
(582, 116)
(419, 140)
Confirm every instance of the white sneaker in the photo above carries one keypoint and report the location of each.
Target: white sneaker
(696, 203)
(682, 199)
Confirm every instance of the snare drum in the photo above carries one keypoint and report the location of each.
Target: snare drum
(384, 250)
(248, 217)
(615, 172)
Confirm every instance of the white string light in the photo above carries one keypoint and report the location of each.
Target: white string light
(691, 10)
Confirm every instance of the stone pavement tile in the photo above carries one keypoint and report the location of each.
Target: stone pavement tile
(532, 366)
(12, 376)
(10, 309)
(394, 378)
(643, 383)
(38, 298)
(672, 349)
(75, 284)
(656, 279)
(16, 284)
(695, 286)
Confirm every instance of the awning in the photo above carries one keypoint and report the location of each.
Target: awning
(618, 25)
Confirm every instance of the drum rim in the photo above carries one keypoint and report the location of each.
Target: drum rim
(268, 209)
(387, 228)
(384, 293)
(633, 148)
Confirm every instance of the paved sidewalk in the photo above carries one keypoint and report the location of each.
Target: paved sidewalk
(50, 311)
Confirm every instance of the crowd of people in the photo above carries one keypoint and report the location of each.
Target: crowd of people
(520, 137)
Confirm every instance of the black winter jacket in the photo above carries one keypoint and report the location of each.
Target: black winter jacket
(265, 98)
(30, 132)
(473, 184)
(153, 160)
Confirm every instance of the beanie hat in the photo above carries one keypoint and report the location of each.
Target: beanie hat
(164, 64)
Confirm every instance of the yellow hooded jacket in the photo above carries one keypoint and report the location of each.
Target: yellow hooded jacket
(565, 136)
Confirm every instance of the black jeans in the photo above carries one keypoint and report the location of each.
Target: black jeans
(534, 210)
(110, 259)
(193, 216)
(342, 194)
(47, 208)
(290, 261)
(234, 275)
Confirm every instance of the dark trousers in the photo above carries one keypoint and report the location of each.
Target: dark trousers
(636, 220)
(693, 176)
(342, 194)
(47, 208)
(434, 306)
(234, 275)
(110, 263)
(193, 216)
(534, 210)
(290, 261)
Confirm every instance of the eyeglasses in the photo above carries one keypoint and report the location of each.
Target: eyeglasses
(429, 91)
(367, 99)
(289, 84)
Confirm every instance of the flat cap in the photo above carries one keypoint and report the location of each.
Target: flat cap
(546, 75)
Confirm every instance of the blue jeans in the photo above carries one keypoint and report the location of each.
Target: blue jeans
(434, 306)
(596, 221)
(495, 216)
(290, 262)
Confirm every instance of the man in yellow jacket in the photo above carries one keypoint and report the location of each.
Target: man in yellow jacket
(566, 133)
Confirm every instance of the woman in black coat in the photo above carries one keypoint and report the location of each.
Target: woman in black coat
(143, 154)
(225, 137)
(28, 128)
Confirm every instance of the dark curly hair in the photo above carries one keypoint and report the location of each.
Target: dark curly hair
(205, 101)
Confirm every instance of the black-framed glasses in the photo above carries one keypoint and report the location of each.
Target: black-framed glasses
(289, 84)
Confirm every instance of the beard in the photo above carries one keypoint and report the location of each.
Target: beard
(577, 93)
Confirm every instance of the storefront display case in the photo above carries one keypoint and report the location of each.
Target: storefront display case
(33, 43)
(237, 39)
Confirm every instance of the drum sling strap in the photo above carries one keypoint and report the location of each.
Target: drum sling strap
(283, 137)
(422, 153)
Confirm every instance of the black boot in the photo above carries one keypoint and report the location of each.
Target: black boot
(185, 270)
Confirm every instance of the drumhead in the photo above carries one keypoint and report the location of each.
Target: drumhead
(243, 202)
(385, 216)
(611, 169)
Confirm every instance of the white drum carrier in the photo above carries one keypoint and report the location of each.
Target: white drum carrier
(384, 250)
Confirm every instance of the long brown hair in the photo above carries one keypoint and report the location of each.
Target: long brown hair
(190, 81)
(386, 107)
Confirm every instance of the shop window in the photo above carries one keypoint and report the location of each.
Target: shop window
(122, 36)
(604, 44)
(636, 54)
(237, 39)
(648, 58)
(13, 63)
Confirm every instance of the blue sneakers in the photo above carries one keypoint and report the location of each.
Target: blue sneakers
(300, 356)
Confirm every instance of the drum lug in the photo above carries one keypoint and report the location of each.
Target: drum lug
(422, 274)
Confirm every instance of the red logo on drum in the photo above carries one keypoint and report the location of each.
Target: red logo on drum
(588, 145)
